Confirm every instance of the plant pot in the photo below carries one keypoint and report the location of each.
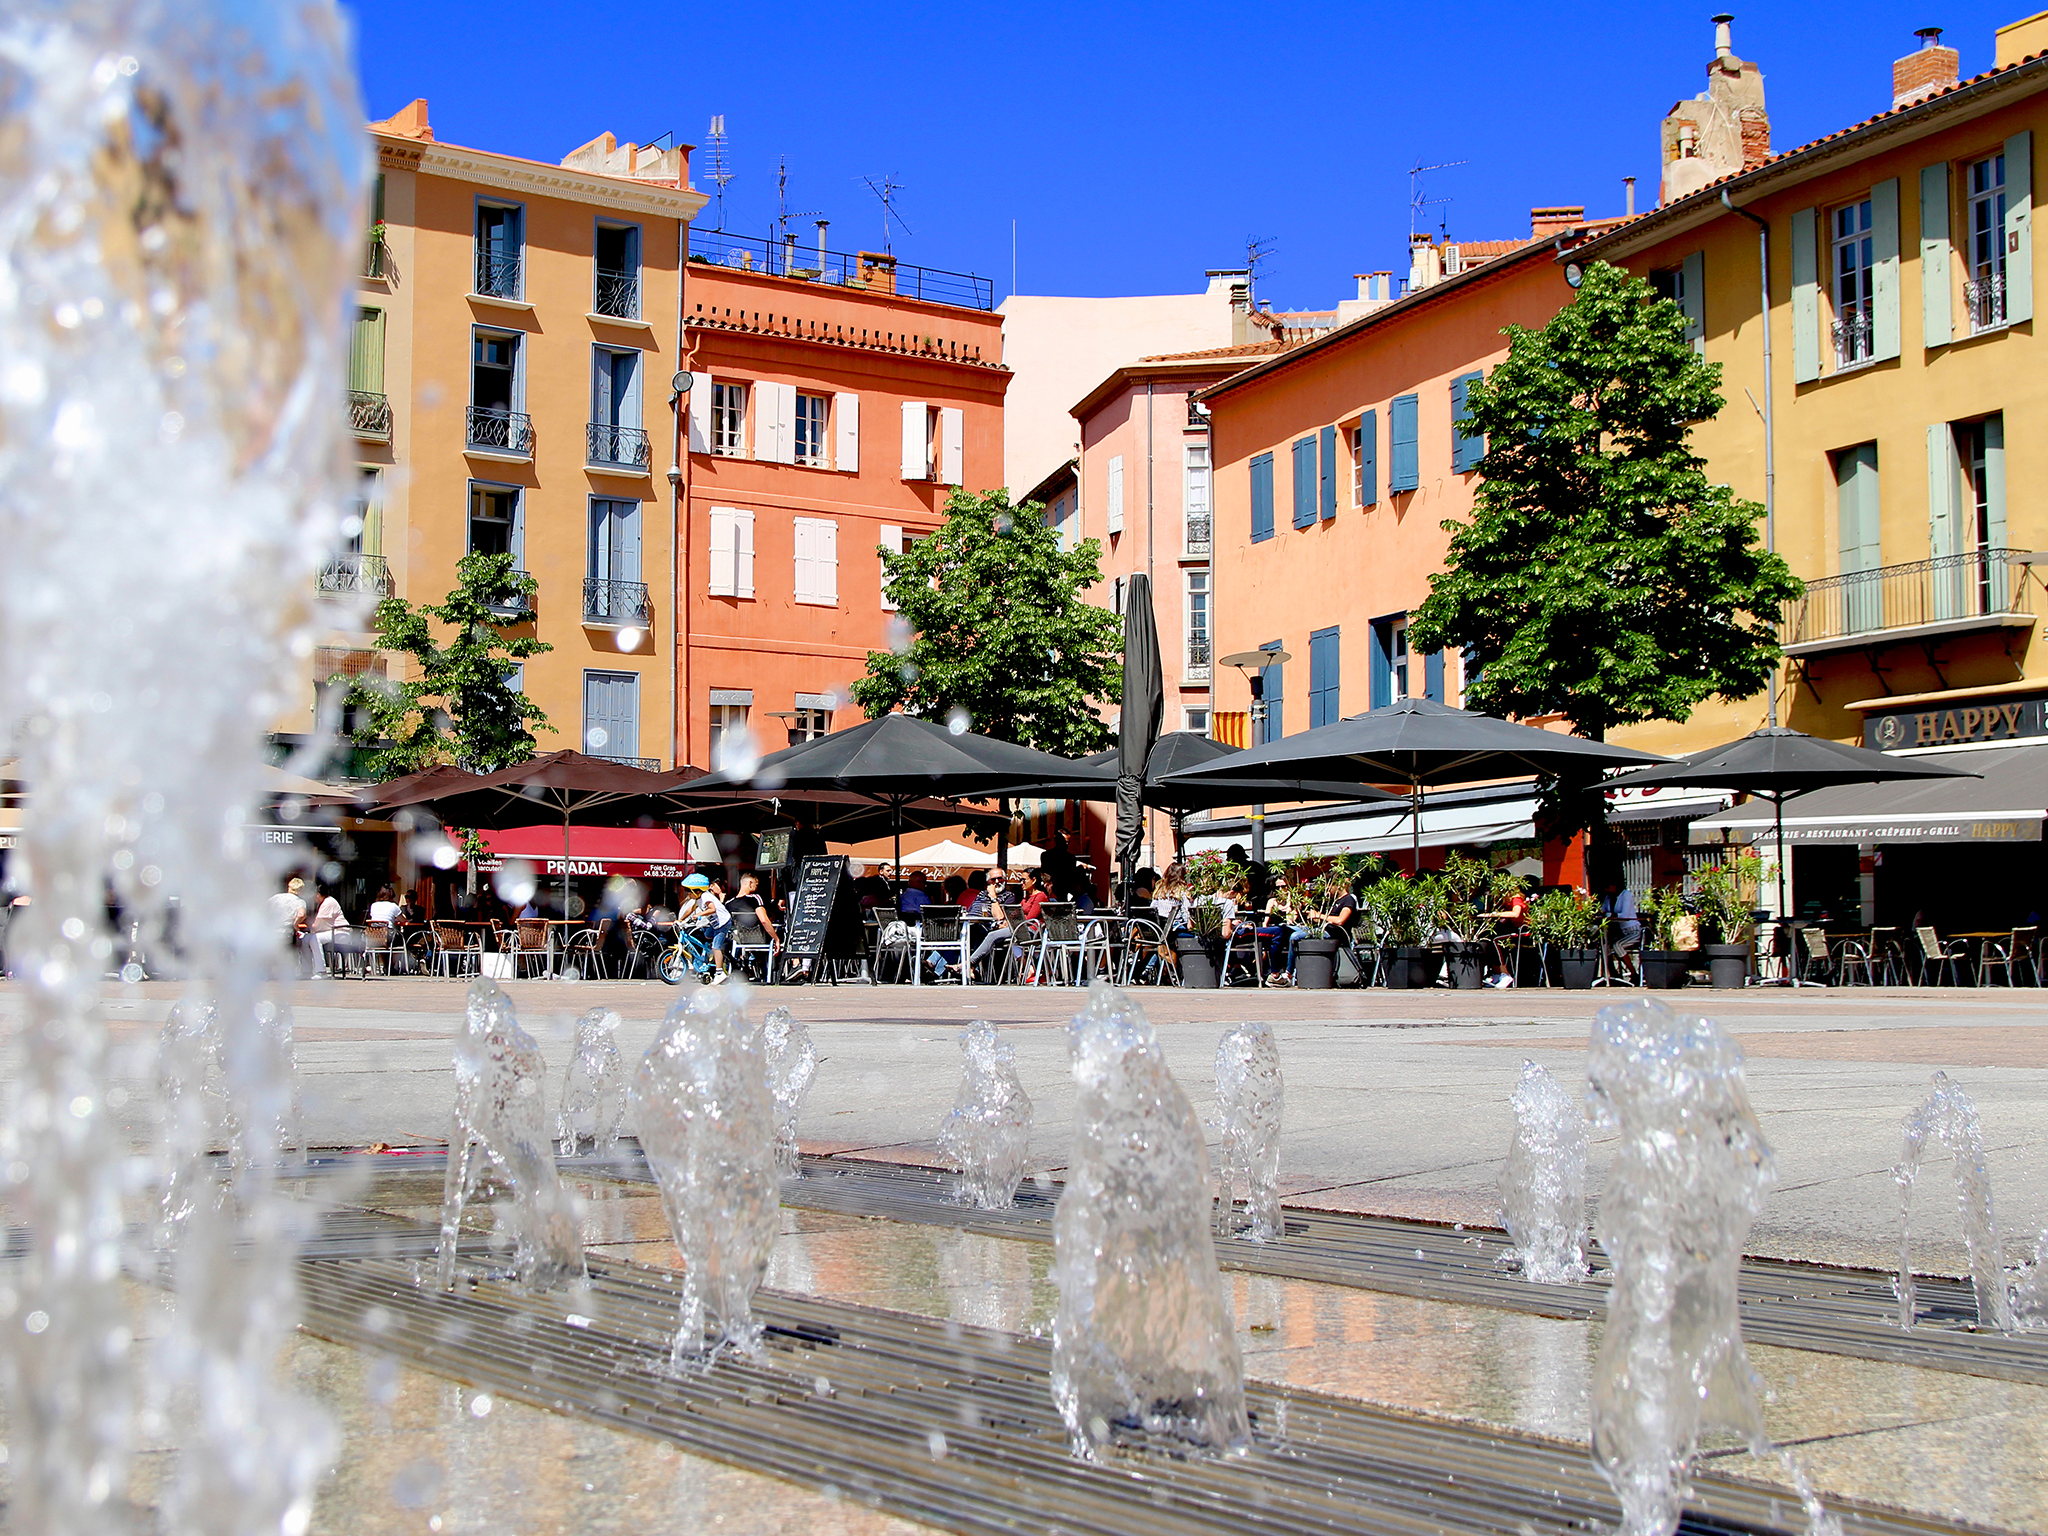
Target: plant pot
(1414, 966)
(1315, 964)
(1728, 964)
(1468, 964)
(1664, 969)
(1198, 963)
(1579, 968)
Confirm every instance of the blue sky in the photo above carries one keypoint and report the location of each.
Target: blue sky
(1136, 145)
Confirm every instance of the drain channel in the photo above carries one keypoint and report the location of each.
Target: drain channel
(953, 1425)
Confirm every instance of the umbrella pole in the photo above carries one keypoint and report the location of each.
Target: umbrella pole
(1415, 830)
(896, 827)
(565, 863)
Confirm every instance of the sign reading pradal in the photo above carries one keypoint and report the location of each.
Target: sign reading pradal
(2003, 718)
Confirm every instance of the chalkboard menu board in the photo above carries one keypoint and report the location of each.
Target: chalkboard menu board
(824, 912)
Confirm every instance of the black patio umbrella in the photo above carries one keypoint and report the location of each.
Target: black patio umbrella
(1779, 764)
(837, 815)
(1138, 728)
(894, 761)
(1419, 743)
(565, 785)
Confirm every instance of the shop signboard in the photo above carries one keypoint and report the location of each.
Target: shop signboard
(1964, 722)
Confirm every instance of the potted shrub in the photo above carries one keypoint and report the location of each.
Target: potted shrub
(1391, 902)
(1672, 932)
(1468, 951)
(1568, 920)
(1199, 951)
(1727, 926)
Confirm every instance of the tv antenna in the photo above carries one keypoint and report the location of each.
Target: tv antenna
(720, 171)
(1258, 257)
(886, 189)
(783, 238)
(1417, 201)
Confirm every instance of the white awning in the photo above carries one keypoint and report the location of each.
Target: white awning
(1389, 828)
(2007, 805)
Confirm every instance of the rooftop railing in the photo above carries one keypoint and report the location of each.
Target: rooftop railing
(865, 271)
(1948, 591)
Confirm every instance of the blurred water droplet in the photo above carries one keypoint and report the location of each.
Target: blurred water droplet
(958, 720)
(737, 752)
(418, 1484)
(596, 739)
(515, 882)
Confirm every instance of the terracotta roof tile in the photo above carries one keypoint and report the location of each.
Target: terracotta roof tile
(1246, 349)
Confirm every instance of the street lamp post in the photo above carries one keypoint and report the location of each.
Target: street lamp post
(1253, 665)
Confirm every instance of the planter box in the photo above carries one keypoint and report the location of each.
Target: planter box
(1664, 969)
(1315, 964)
(1468, 964)
(1580, 967)
(1413, 966)
(1728, 964)
(1198, 964)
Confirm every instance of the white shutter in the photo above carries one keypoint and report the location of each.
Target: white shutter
(700, 413)
(916, 443)
(2019, 227)
(723, 582)
(743, 552)
(846, 420)
(892, 541)
(776, 435)
(952, 445)
(1937, 287)
(1116, 493)
(806, 560)
(827, 568)
(1884, 229)
(1805, 299)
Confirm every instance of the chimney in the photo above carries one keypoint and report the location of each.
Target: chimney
(1544, 223)
(1628, 184)
(1926, 70)
(823, 225)
(1425, 263)
(1724, 42)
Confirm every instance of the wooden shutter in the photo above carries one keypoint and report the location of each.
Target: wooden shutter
(1323, 678)
(825, 551)
(2019, 227)
(366, 352)
(1884, 230)
(1304, 481)
(1692, 299)
(1467, 448)
(952, 445)
(700, 413)
(1994, 481)
(743, 552)
(1856, 509)
(1433, 677)
(846, 428)
(1382, 675)
(892, 541)
(1275, 677)
(1369, 458)
(1116, 493)
(724, 578)
(1328, 505)
(1937, 285)
(1404, 469)
(803, 544)
(1262, 497)
(916, 440)
(1805, 299)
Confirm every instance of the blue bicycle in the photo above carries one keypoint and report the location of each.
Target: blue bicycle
(690, 955)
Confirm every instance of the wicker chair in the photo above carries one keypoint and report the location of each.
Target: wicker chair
(1936, 953)
(529, 946)
(458, 951)
(1813, 942)
(2010, 954)
(384, 946)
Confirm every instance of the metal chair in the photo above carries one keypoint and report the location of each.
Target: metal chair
(584, 953)
(937, 933)
(750, 938)
(384, 946)
(1060, 946)
(1099, 944)
(457, 952)
(1143, 939)
(529, 945)
(1936, 953)
(1245, 936)
(1814, 943)
(1852, 954)
(1888, 956)
(2009, 953)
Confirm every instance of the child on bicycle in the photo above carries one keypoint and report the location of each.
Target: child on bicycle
(703, 911)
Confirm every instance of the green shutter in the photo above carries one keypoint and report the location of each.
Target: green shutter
(1937, 285)
(1692, 299)
(1328, 502)
(2019, 227)
(1805, 299)
(1884, 229)
(366, 353)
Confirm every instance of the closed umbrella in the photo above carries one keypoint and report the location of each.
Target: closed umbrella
(1138, 729)
(1780, 764)
(1420, 743)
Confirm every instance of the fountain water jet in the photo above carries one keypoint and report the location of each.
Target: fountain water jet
(986, 1136)
(1543, 1184)
(792, 1064)
(181, 192)
(1949, 1116)
(1248, 1102)
(707, 1125)
(594, 1090)
(499, 1140)
(1143, 1341)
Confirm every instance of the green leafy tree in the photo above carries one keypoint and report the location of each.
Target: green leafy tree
(1602, 575)
(459, 706)
(995, 623)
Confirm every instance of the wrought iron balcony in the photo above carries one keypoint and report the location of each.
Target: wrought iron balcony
(651, 764)
(1985, 297)
(369, 415)
(353, 575)
(618, 294)
(616, 603)
(497, 277)
(1853, 339)
(521, 604)
(502, 431)
(376, 257)
(1984, 589)
(626, 447)
(1197, 534)
(1197, 668)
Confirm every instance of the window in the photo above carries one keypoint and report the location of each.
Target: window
(729, 733)
(1118, 585)
(500, 246)
(496, 393)
(364, 528)
(817, 561)
(618, 272)
(1980, 454)
(1358, 467)
(1198, 622)
(1272, 678)
(1324, 678)
(1365, 449)
(810, 431)
(1061, 518)
(616, 434)
(811, 718)
(1195, 499)
(369, 412)
(1304, 482)
(612, 572)
(494, 527)
(1684, 285)
(1984, 287)
(1262, 497)
(1404, 468)
(611, 714)
(1115, 500)
(1854, 247)
(732, 552)
(1389, 680)
(1196, 720)
(729, 420)
(376, 255)
(1467, 448)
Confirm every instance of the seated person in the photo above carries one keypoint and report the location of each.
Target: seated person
(1337, 923)
(1032, 894)
(748, 908)
(913, 898)
(872, 889)
(1624, 923)
(991, 903)
(956, 891)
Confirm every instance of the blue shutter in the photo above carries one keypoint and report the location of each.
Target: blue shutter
(1274, 729)
(1433, 677)
(1262, 497)
(1404, 471)
(1369, 458)
(1467, 448)
(1304, 481)
(1329, 498)
(1382, 679)
(1323, 678)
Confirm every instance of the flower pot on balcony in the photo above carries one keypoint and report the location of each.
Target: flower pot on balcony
(1578, 968)
(1664, 970)
(1728, 964)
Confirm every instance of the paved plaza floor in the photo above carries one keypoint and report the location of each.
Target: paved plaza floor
(1397, 1104)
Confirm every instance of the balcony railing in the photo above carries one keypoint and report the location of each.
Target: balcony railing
(651, 764)
(1853, 339)
(1985, 297)
(616, 602)
(1197, 534)
(369, 415)
(376, 257)
(1946, 593)
(355, 575)
(618, 294)
(868, 270)
(520, 605)
(501, 431)
(1197, 668)
(497, 276)
(626, 447)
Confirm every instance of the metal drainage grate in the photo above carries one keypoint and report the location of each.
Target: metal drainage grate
(954, 1426)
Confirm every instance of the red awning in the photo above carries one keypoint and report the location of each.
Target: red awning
(651, 853)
